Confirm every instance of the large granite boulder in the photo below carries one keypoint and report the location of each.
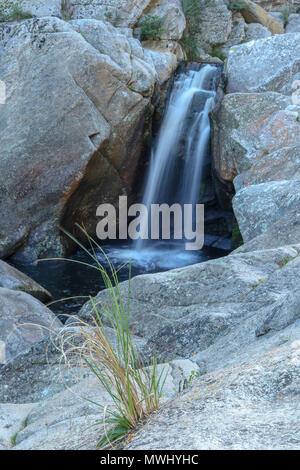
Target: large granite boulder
(270, 64)
(120, 12)
(255, 14)
(171, 11)
(256, 136)
(78, 99)
(215, 24)
(256, 31)
(282, 164)
(257, 207)
(237, 34)
(33, 7)
(249, 128)
(124, 13)
(278, 5)
(23, 321)
(11, 278)
(285, 230)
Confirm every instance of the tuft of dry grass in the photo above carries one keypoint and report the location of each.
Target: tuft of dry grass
(135, 390)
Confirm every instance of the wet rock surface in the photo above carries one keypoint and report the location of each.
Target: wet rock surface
(11, 278)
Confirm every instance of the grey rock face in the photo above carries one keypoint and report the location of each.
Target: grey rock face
(23, 322)
(256, 31)
(258, 207)
(248, 73)
(175, 21)
(11, 278)
(12, 419)
(276, 6)
(293, 25)
(215, 25)
(236, 318)
(62, 421)
(278, 16)
(252, 405)
(49, 367)
(96, 84)
(283, 164)
(286, 230)
(124, 12)
(237, 35)
(188, 310)
(255, 14)
(35, 7)
(249, 128)
(256, 140)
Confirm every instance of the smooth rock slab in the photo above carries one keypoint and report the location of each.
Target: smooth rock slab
(12, 420)
(62, 421)
(269, 317)
(286, 230)
(253, 405)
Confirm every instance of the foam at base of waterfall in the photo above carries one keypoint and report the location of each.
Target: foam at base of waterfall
(162, 256)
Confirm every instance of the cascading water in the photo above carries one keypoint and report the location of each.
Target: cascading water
(175, 176)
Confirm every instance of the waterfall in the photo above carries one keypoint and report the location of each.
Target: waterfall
(175, 174)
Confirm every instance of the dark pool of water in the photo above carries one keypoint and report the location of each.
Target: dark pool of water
(68, 279)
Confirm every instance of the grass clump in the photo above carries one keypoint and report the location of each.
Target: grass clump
(284, 261)
(217, 52)
(237, 239)
(189, 42)
(66, 10)
(134, 390)
(112, 18)
(285, 14)
(13, 439)
(236, 5)
(17, 14)
(151, 27)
